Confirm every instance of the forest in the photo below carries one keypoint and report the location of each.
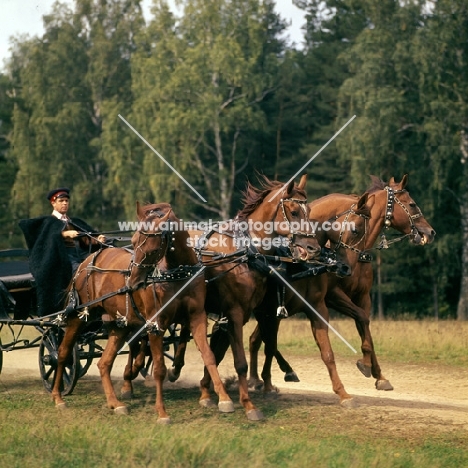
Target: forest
(217, 90)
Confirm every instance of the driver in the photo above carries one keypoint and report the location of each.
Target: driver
(57, 245)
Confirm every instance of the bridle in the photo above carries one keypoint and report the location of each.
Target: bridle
(391, 200)
(164, 246)
(292, 232)
(340, 242)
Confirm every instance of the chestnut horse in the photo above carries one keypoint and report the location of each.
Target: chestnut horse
(390, 205)
(313, 289)
(237, 287)
(111, 286)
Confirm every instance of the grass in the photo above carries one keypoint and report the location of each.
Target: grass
(410, 342)
(297, 432)
(293, 435)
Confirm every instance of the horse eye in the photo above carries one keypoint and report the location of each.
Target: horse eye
(354, 231)
(294, 213)
(412, 205)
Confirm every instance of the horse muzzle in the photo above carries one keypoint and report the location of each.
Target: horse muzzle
(421, 238)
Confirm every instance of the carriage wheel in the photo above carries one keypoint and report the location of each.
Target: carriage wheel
(48, 354)
(86, 355)
(1, 356)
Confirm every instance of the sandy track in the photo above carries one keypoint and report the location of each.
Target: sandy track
(423, 395)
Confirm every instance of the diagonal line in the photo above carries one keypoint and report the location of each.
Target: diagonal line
(157, 154)
(314, 156)
(162, 308)
(312, 308)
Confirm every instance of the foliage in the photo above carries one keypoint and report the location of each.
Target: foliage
(218, 93)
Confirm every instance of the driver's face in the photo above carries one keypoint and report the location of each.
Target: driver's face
(61, 205)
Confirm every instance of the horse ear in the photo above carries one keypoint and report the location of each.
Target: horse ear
(391, 182)
(403, 182)
(302, 182)
(140, 213)
(362, 201)
(290, 187)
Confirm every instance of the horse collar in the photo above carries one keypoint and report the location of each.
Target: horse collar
(390, 206)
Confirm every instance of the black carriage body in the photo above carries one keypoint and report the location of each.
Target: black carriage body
(17, 286)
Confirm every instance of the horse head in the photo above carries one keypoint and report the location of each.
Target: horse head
(403, 214)
(151, 242)
(280, 218)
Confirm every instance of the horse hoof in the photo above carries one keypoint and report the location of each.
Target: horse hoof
(255, 415)
(383, 385)
(365, 370)
(121, 410)
(226, 407)
(272, 393)
(128, 395)
(348, 403)
(61, 406)
(206, 403)
(164, 421)
(291, 377)
(256, 384)
(172, 376)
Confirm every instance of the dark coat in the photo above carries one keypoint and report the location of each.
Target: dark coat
(48, 259)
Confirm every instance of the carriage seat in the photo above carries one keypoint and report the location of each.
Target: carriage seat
(15, 274)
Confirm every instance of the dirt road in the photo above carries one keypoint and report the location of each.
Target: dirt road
(423, 395)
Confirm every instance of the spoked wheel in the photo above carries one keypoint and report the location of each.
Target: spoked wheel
(86, 355)
(48, 356)
(1, 357)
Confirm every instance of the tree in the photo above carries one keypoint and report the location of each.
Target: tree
(389, 139)
(441, 50)
(64, 83)
(198, 85)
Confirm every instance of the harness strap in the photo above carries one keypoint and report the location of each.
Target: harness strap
(123, 290)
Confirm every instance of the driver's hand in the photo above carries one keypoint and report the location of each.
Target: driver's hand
(72, 233)
(102, 238)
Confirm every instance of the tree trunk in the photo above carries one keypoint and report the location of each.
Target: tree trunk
(462, 310)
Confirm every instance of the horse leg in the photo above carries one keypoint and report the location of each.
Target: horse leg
(268, 326)
(105, 363)
(74, 325)
(255, 341)
(159, 373)
(133, 367)
(381, 383)
(337, 299)
(179, 358)
(219, 344)
(240, 364)
(320, 332)
(199, 331)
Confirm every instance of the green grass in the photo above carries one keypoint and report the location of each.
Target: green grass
(294, 434)
(297, 431)
(410, 342)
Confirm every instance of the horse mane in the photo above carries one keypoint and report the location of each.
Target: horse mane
(253, 197)
(376, 184)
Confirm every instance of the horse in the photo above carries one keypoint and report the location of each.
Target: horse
(313, 290)
(111, 285)
(236, 276)
(390, 205)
